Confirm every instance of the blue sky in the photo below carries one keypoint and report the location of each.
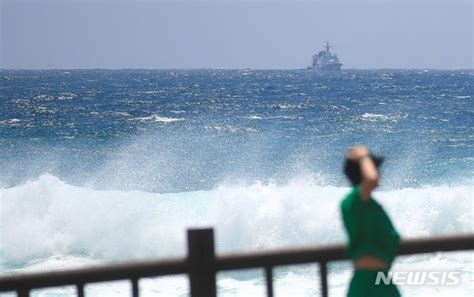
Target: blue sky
(234, 34)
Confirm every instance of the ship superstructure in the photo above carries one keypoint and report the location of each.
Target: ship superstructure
(325, 60)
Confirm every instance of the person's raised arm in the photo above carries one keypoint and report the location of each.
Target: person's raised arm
(369, 172)
(370, 177)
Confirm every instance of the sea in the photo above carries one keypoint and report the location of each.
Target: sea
(109, 166)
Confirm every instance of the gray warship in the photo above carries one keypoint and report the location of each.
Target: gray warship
(325, 60)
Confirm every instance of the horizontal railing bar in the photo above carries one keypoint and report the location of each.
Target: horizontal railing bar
(280, 257)
(336, 252)
(113, 272)
(264, 259)
(449, 243)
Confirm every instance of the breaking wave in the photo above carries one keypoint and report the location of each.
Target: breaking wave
(48, 217)
(49, 224)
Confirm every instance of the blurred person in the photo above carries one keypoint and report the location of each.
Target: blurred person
(373, 240)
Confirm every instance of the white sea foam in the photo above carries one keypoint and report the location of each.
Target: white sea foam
(10, 122)
(57, 218)
(152, 92)
(49, 224)
(253, 117)
(256, 117)
(158, 119)
(373, 117)
(122, 113)
(230, 128)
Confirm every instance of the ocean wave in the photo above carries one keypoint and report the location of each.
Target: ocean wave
(290, 106)
(49, 224)
(47, 217)
(253, 117)
(158, 119)
(373, 117)
(11, 122)
(230, 128)
(257, 117)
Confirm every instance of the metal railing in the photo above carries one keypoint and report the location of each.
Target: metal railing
(202, 264)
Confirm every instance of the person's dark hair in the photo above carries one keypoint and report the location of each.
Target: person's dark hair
(352, 169)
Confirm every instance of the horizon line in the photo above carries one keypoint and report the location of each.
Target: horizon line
(229, 69)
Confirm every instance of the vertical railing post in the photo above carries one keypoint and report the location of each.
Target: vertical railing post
(323, 273)
(201, 257)
(269, 280)
(80, 290)
(135, 287)
(23, 293)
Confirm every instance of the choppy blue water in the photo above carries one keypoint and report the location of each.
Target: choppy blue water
(102, 165)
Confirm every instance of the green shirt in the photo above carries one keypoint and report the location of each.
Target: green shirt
(369, 228)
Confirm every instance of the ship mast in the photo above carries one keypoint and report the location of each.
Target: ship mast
(327, 46)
